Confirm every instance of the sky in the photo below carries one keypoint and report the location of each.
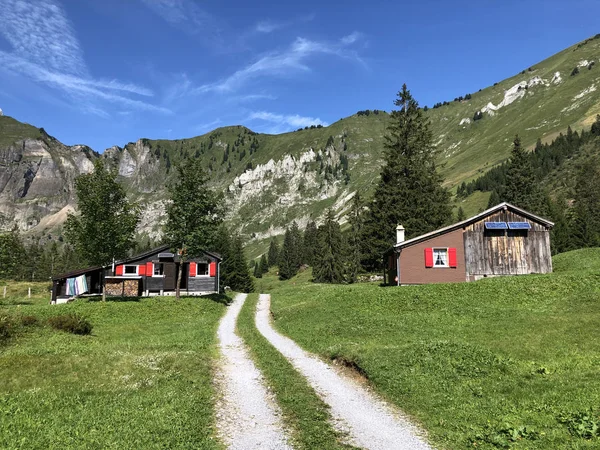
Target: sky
(108, 72)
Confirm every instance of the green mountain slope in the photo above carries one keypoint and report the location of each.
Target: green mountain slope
(270, 180)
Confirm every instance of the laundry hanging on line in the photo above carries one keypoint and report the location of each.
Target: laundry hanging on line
(77, 286)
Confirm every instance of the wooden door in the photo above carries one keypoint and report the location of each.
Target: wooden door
(169, 272)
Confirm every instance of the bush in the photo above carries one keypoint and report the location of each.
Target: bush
(575, 71)
(72, 323)
(5, 328)
(29, 321)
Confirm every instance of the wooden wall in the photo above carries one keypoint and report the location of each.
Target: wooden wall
(506, 252)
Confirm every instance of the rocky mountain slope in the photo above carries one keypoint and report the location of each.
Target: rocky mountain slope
(270, 180)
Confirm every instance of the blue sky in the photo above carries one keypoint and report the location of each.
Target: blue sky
(107, 72)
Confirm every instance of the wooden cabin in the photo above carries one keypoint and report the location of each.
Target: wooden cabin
(504, 240)
(151, 273)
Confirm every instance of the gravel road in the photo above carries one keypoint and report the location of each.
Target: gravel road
(369, 422)
(247, 415)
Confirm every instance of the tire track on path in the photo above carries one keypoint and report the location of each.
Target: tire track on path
(369, 422)
(247, 415)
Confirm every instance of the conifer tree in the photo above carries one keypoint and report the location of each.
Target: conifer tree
(104, 228)
(257, 272)
(234, 269)
(12, 252)
(287, 262)
(273, 255)
(460, 214)
(494, 199)
(522, 187)
(355, 241)
(263, 265)
(296, 253)
(586, 207)
(193, 213)
(309, 246)
(331, 256)
(410, 190)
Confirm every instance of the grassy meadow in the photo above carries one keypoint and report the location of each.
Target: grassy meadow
(142, 379)
(500, 363)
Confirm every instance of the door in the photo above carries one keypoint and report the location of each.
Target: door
(169, 281)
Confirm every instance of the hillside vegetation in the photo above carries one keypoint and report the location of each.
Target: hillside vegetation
(499, 363)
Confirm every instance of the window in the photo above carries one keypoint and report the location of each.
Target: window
(202, 269)
(130, 270)
(440, 257)
(158, 270)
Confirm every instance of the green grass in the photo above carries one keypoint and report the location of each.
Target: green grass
(304, 413)
(499, 363)
(143, 379)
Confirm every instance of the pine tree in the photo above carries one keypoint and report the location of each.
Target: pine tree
(234, 270)
(309, 246)
(273, 255)
(522, 187)
(105, 227)
(12, 252)
(331, 256)
(586, 207)
(560, 235)
(355, 241)
(193, 213)
(410, 190)
(264, 265)
(460, 214)
(494, 199)
(287, 263)
(257, 272)
(296, 245)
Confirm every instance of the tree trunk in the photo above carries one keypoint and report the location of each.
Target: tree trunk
(180, 272)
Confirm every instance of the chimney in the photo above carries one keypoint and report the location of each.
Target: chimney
(399, 234)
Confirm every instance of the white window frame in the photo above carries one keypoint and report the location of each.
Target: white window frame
(154, 266)
(207, 275)
(446, 249)
(137, 270)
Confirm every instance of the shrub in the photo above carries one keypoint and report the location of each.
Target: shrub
(72, 323)
(5, 328)
(575, 71)
(29, 321)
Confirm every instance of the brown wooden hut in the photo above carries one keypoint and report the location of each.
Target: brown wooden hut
(504, 240)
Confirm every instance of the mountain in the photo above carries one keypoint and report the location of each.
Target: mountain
(270, 180)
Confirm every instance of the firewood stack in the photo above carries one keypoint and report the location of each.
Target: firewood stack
(125, 288)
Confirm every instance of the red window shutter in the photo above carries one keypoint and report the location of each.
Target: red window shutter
(428, 257)
(192, 269)
(142, 269)
(452, 257)
(212, 269)
(149, 269)
(119, 270)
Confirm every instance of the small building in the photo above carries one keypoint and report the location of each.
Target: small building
(151, 273)
(504, 240)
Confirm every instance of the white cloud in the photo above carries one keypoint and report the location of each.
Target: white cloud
(267, 26)
(46, 50)
(351, 38)
(286, 122)
(293, 59)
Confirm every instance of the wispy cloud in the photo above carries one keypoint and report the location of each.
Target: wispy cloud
(284, 123)
(293, 59)
(268, 26)
(351, 38)
(209, 125)
(46, 50)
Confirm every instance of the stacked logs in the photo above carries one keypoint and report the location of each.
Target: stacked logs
(125, 288)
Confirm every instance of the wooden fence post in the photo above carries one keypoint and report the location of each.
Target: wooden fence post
(4, 291)
(29, 293)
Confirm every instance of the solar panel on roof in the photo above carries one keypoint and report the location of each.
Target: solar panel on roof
(496, 225)
(519, 225)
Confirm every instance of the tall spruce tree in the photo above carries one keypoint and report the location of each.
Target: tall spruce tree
(234, 269)
(104, 229)
(460, 214)
(494, 199)
(273, 255)
(296, 253)
(257, 272)
(586, 207)
(288, 266)
(522, 187)
(263, 265)
(193, 213)
(309, 246)
(331, 256)
(12, 252)
(355, 238)
(410, 190)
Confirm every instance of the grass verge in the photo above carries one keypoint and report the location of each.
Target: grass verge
(304, 413)
(500, 363)
(142, 379)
